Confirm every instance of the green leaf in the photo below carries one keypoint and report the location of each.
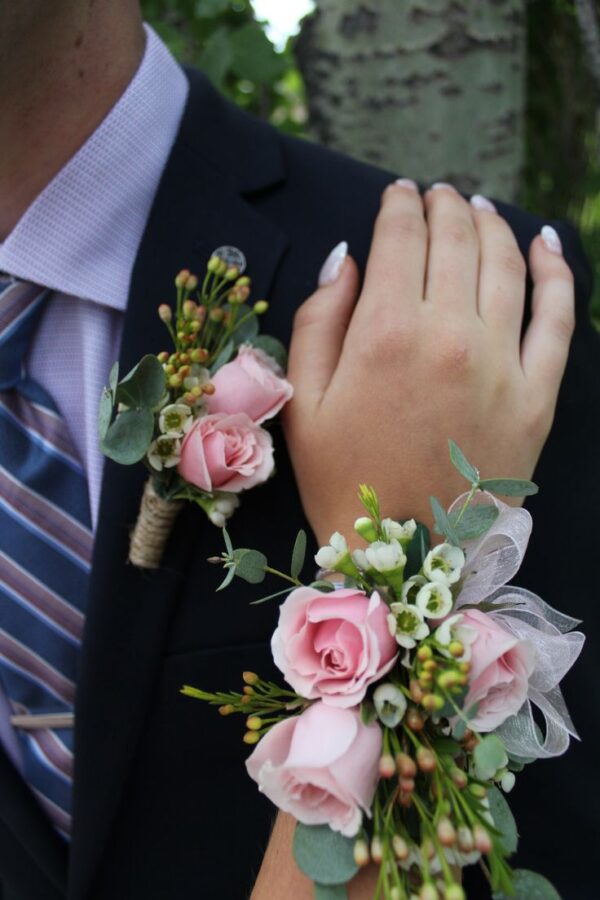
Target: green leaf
(320, 585)
(324, 855)
(272, 596)
(273, 348)
(250, 565)
(298, 554)
(144, 386)
(209, 9)
(475, 521)
(246, 332)
(462, 464)
(254, 56)
(417, 550)
(105, 411)
(228, 578)
(504, 821)
(128, 438)
(223, 357)
(368, 713)
(113, 380)
(509, 487)
(443, 525)
(446, 745)
(228, 544)
(530, 886)
(216, 56)
(489, 756)
(330, 892)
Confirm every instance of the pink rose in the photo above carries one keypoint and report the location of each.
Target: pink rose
(501, 666)
(251, 383)
(332, 646)
(227, 453)
(321, 766)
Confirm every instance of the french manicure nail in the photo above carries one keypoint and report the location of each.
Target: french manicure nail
(442, 184)
(479, 202)
(333, 264)
(407, 183)
(551, 240)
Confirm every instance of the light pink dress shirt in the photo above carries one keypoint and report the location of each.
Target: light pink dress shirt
(80, 237)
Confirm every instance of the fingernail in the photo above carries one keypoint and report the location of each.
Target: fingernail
(333, 264)
(480, 202)
(407, 183)
(551, 240)
(442, 184)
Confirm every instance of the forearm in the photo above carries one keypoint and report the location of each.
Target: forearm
(281, 879)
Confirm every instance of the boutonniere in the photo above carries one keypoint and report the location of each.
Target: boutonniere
(195, 414)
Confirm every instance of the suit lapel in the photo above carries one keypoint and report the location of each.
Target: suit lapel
(198, 207)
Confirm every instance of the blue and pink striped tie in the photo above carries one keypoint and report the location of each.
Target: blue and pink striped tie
(45, 558)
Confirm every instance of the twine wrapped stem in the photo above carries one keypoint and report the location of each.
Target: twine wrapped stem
(152, 529)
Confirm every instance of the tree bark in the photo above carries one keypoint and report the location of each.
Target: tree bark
(432, 89)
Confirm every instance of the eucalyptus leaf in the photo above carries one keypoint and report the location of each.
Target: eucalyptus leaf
(320, 585)
(462, 464)
(504, 821)
(443, 525)
(475, 521)
(128, 438)
(489, 756)
(250, 565)
(271, 596)
(298, 554)
(223, 357)
(324, 855)
(446, 745)
(509, 487)
(113, 380)
(273, 348)
(105, 411)
(530, 886)
(330, 892)
(228, 579)
(228, 544)
(246, 331)
(144, 386)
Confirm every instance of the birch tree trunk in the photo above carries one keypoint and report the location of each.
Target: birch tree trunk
(432, 89)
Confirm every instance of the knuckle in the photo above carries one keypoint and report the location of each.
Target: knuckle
(405, 224)
(306, 315)
(459, 232)
(454, 355)
(388, 343)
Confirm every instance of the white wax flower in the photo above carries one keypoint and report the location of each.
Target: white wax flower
(175, 419)
(435, 600)
(360, 560)
(406, 624)
(198, 378)
(444, 564)
(393, 529)
(450, 630)
(411, 588)
(390, 704)
(385, 557)
(164, 452)
(329, 556)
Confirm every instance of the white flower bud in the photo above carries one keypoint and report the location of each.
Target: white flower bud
(365, 527)
(394, 530)
(452, 630)
(390, 704)
(386, 557)
(328, 557)
(507, 782)
(217, 518)
(444, 563)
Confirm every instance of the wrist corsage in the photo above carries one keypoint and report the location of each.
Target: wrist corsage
(195, 414)
(408, 710)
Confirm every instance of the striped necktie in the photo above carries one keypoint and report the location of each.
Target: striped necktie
(45, 558)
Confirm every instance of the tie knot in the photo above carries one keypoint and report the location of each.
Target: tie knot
(21, 305)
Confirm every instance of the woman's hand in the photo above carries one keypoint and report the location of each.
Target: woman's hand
(432, 350)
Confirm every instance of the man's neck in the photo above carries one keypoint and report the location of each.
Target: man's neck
(62, 69)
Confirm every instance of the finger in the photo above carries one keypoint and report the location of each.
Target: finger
(546, 344)
(396, 266)
(453, 257)
(320, 326)
(502, 273)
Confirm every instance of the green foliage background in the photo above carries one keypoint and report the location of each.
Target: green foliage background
(562, 171)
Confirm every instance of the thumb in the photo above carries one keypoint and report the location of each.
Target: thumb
(320, 326)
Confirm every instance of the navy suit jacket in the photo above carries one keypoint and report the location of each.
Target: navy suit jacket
(163, 807)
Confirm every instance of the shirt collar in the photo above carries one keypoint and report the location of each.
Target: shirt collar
(81, 234)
